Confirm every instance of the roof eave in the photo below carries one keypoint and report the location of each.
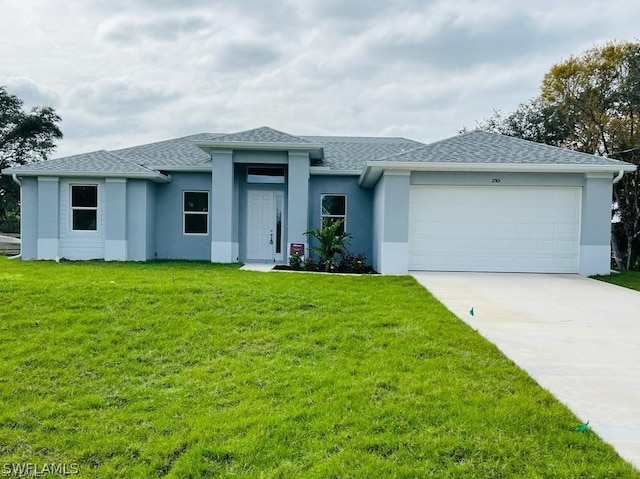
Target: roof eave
(326, 171)
(156, 177)
(209, 146)
(192, 169)
(374, 169)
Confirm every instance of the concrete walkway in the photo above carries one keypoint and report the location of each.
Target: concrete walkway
(577, 337)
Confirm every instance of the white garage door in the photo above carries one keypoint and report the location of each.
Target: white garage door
(511, 229)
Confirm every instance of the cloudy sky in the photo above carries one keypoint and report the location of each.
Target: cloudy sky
(127, 72)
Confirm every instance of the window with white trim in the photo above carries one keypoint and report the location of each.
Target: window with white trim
(334, 208)
(196, 212)
(84, 207)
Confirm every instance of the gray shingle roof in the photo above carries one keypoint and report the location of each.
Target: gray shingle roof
(101, 161)
(483, 147)
(351, 153)
(340, 153)
(177, 152)
(264, 134)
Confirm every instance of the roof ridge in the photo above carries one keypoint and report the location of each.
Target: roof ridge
(362, 137)
(229, 136)
(168, 140)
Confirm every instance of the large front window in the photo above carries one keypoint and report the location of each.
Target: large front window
(334, 208)
(196, 212)
(84, 207)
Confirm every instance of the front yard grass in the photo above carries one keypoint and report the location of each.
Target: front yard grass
(625, 278)
(197, 370)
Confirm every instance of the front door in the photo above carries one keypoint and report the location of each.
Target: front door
(264, 225)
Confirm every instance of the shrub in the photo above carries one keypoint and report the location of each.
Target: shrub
(310, 265)
(295, 261)
(354, 263)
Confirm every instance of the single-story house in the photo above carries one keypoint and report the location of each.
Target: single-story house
(475, 202)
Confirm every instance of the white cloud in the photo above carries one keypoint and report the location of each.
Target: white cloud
(30, 92)
(123, 72)
(123, 30)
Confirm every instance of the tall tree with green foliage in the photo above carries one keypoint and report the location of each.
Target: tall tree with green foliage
(25, 137)
(591, 103)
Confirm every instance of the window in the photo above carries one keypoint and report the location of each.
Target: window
(84, 207)
(196, 212)
(265, 174)
(334, 208)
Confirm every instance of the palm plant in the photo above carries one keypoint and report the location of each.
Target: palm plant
(332, 240)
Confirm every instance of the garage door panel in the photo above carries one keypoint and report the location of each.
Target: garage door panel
(566, 246)
(454, 228)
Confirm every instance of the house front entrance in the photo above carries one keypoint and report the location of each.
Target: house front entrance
(265, 211)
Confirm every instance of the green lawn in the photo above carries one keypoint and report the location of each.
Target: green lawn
(197, 370)
(628, 279)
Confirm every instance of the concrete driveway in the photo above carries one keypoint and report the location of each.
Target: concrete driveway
(577, 337)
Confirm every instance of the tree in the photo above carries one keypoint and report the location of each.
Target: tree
(591, 103)
(25, 137)
(530, 121)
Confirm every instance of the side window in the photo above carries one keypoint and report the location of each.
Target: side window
(84, 207)
(196, 212)
(334, 208)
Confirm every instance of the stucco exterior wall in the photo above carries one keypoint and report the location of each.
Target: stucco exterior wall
(359, 209)
(29, 218)
(140, 220)
(378, 224)
(488, 179)
(298, 199)
(115, 206)
(595, 233)
(223, 245)
(151, 220)
(391, 220)
(171, 242)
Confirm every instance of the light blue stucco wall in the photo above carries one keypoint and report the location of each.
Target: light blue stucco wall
(115, 205)
(595, 233)
(136, 220)
(140, 220)
(48, 217)
(298, 198)
(391, 223)
(262, 157)
(29, 218)
(151, 220)
(487, 179)
(48, 208)
(171, 242)
(597, 196)
(359, 209)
